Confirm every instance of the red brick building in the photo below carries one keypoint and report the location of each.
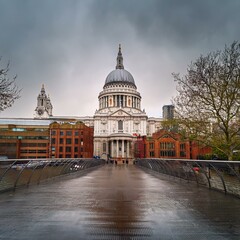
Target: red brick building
(71, 140)
(24, 138)
(139, 147)
(164, 144)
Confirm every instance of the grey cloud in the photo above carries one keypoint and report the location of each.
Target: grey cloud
(71, 46)
(185, 22)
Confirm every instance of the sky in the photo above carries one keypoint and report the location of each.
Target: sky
(71, 46)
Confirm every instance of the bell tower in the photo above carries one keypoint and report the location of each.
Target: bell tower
(44, 106)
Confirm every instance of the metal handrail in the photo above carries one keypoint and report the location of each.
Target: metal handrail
(12, 177)
(214, 174)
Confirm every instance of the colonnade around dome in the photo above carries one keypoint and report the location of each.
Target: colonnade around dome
(119, 101)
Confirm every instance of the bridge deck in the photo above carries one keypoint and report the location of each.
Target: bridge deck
(118, 202)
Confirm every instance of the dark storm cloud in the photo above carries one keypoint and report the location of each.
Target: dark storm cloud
(71, 46)
(182, 23)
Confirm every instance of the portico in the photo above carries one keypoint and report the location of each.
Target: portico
(120, 146)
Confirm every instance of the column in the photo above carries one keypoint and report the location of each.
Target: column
(117, 149)
(127, 153)
(111, 148)
(123, 148)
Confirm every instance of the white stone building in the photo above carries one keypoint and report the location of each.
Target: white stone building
(119, 119)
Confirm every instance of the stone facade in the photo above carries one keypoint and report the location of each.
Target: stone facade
(119, 118)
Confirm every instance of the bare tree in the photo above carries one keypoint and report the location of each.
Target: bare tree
(208, 100)
(9, 92)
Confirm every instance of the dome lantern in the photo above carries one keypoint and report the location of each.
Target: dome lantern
(119, 59)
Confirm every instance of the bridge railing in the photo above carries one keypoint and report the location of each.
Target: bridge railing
(219, 175)
(20, 172)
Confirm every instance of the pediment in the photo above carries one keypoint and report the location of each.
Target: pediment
(167, 136)
(120, 113)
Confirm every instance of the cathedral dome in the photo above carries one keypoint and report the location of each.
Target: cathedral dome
(120, 76)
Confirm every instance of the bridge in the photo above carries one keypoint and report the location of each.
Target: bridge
(89, 199)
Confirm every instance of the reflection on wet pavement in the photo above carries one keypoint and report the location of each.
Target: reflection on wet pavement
(118, 202)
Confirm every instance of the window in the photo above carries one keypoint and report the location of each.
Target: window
(120, 126)
(104, 147)
(76, 140)
(42, 151)
(61, 133)
(24, 151)
(61, 149)
(182, 154)
(151, 145)
(53, 140)
(61, 141)
(53, 132)
(76, 133)
(39, 144)
(167, 149)
(68, 141)
(151, 154)
(182, 150)
(182, 146)
(167, 145)
(167, 153)
(75, 149)
(68, 149)
(69, 133)
(32, 151)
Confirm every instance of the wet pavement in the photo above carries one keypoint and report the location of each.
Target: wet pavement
(118, 202)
